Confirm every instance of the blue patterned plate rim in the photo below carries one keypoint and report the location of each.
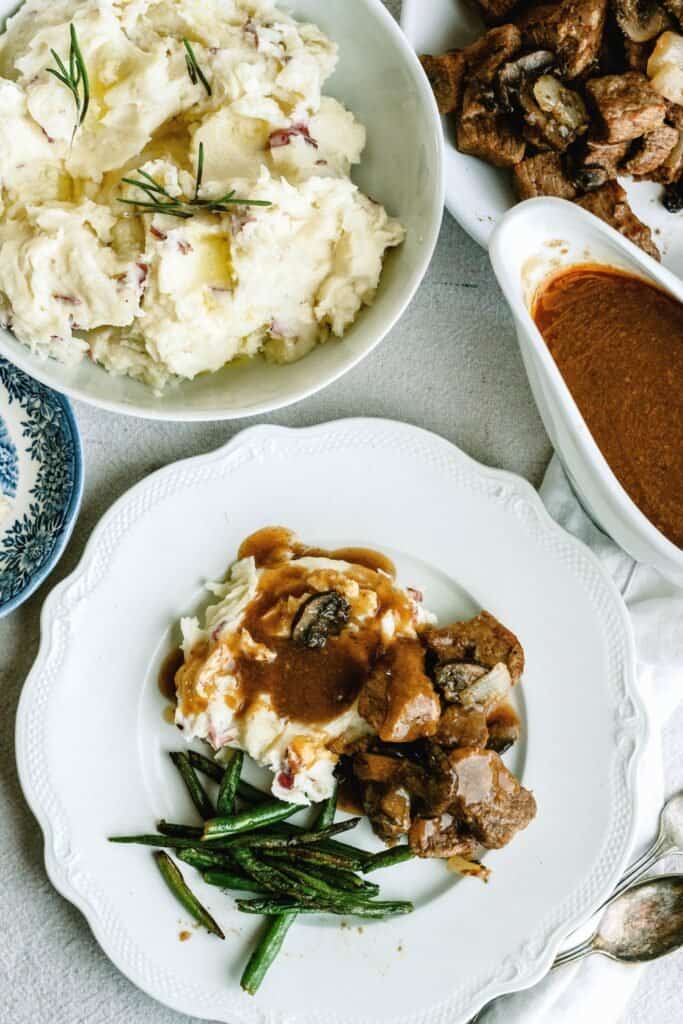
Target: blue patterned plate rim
(58, 516)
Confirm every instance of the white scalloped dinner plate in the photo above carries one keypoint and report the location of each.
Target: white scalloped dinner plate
(92, 741)
(477, 194)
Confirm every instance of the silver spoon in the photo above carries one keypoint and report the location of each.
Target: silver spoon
(669, 840)
(642, 924)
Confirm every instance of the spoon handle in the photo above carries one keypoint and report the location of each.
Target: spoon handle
(660, 848)
(575, 953)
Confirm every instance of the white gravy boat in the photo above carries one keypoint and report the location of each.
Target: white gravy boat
(538, 238)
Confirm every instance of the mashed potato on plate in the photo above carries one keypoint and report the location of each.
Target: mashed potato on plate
(276, 667)
(155, 296)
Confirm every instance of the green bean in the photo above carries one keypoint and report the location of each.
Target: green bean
(376, 909)
(216, 771)
(271, 878)
(205, 860)
(267, 841)
(309, 882)
(204, 764)
(176, 883)
(387, 859)
(170, 828)
(254, 818)
(194, 787)
(268, 947)
(321, 855)
(226, 879)
(170, 842)
(225, 804)
(347, 881)
(328, 809)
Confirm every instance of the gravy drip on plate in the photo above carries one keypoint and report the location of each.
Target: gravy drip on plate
(618, 342)
(312, 684)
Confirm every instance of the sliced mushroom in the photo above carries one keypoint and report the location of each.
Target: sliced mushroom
(322, 616)
(641, 20)
(454, 676)
(590, 177)
(491, 689)
(555, 115)
(515, 73)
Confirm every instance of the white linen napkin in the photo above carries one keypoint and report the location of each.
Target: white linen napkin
(597, 989)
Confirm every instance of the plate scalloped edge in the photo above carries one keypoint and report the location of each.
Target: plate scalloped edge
(70, 876)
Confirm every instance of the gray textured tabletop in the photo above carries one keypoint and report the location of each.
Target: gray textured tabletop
(451, 365)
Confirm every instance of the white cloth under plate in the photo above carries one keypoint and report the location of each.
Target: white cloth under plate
(597, 990)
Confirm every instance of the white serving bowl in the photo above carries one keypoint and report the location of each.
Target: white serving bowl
(533, 240)
(379, 78)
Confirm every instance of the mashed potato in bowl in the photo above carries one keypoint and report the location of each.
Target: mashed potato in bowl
(277, 665)
(155, 296)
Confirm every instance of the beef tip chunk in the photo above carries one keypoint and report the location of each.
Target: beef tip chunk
(608, 155)
(651, 152)
(671, 169)
(440, 781)
(487, 133)
(554, 115)
(483, 640)
(489, 800)
(445, 74)
(440, 836)
(370, 767)
(495, 11)
(572, 29)
(626, 105)
(503, 727)
(542, 175)
(461, 728)
(388, 809)
(487, 55)
(609, 203)
(398, 698)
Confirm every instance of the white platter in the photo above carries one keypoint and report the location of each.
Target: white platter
(92, 742)
(477, 195)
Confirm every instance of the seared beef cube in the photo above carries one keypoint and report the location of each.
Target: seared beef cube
(672, 169)
(388, 809)
(651, 152)
(489, 799)
(542, 175)
(440, 781)
(445, 74)
(370, 767)
(440, 836)
(609, 203)
(554, 115)
(487, 134)
(461, 728)
(483, 640)
(495, 11)
(398, 698)
(627, 106)
(608, 155)
(572, 29)
(487, 55)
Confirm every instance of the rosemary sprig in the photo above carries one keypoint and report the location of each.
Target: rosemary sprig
(75, 77)
(158, 200)
(193, 69)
